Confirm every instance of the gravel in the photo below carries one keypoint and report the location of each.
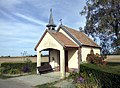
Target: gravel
(35, 79)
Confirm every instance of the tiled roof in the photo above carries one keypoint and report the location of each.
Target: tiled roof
(79, 37)
(62, 39)
(83, 38)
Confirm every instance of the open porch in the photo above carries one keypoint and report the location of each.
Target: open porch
(61, 49)
(56, 60)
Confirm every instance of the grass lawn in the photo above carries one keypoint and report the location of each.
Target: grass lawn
(47, 85)
(108, 76)
(5, 77)
(113, 67)
(107, 68)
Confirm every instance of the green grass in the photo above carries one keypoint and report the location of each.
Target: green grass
(113, 63)
(107, 75)
(112, 68)
(108, 68)
(5, 77)
(47, 85)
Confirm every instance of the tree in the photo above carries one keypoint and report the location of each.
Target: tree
(103, 21)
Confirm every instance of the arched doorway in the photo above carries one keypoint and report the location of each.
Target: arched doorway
(53, 56)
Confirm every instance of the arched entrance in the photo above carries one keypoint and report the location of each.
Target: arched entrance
(53, 56)
(59, 57)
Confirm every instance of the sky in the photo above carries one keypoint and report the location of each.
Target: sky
(22, 22)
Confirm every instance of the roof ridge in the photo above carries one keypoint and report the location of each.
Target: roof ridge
(90, 39)
(71, 35)
(52, 33)
(70, 28)
(77, 34)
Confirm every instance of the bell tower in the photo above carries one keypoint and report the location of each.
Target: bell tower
(51, 25)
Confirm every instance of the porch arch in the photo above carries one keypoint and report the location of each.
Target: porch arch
(58, 55)
(49, 42)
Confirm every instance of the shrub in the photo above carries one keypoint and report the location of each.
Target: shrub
(95, 58)
(113, 63)
(73, 75)
(12, 65)
(23, 67)
(106, 77)
(5, 70)
(1, 70)
(26, 69)
(19, 66)
(81, 80)
(14, 71)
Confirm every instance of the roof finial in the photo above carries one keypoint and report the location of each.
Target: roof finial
(51, 24)
(61, 21)
(51, 17)
(51, 10)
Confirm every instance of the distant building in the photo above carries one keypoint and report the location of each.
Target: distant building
(67, 46)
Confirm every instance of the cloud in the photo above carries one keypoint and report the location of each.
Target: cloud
(19, 35)
(9, 3)
(8, 15)
(15, 29)
(30, 19)
(18, 19)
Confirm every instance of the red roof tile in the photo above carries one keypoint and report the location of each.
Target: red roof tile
(83, 38)
(66, 42)
(60, 37)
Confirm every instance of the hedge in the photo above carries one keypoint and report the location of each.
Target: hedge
(106, 77)
(113, 63)
(25, 67)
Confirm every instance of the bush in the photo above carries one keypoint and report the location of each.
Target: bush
(113, 63)
(73, 75)
(5, 70)
(81, 80)
(106, 77)
(22, 67)
(1, 70)
(19, 66)
(95, 58)
(26, 69)
(14, 71)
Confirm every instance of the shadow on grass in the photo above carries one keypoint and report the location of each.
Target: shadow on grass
(47, 85)
(6, 77)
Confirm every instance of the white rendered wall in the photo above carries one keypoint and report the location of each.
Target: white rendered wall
(54, 54)
(73, 59)
(86, 50)
(49, 42)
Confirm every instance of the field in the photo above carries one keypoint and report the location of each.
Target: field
(21, 59)
(113, 58)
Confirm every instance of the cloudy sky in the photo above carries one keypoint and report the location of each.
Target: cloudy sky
(22, 22)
